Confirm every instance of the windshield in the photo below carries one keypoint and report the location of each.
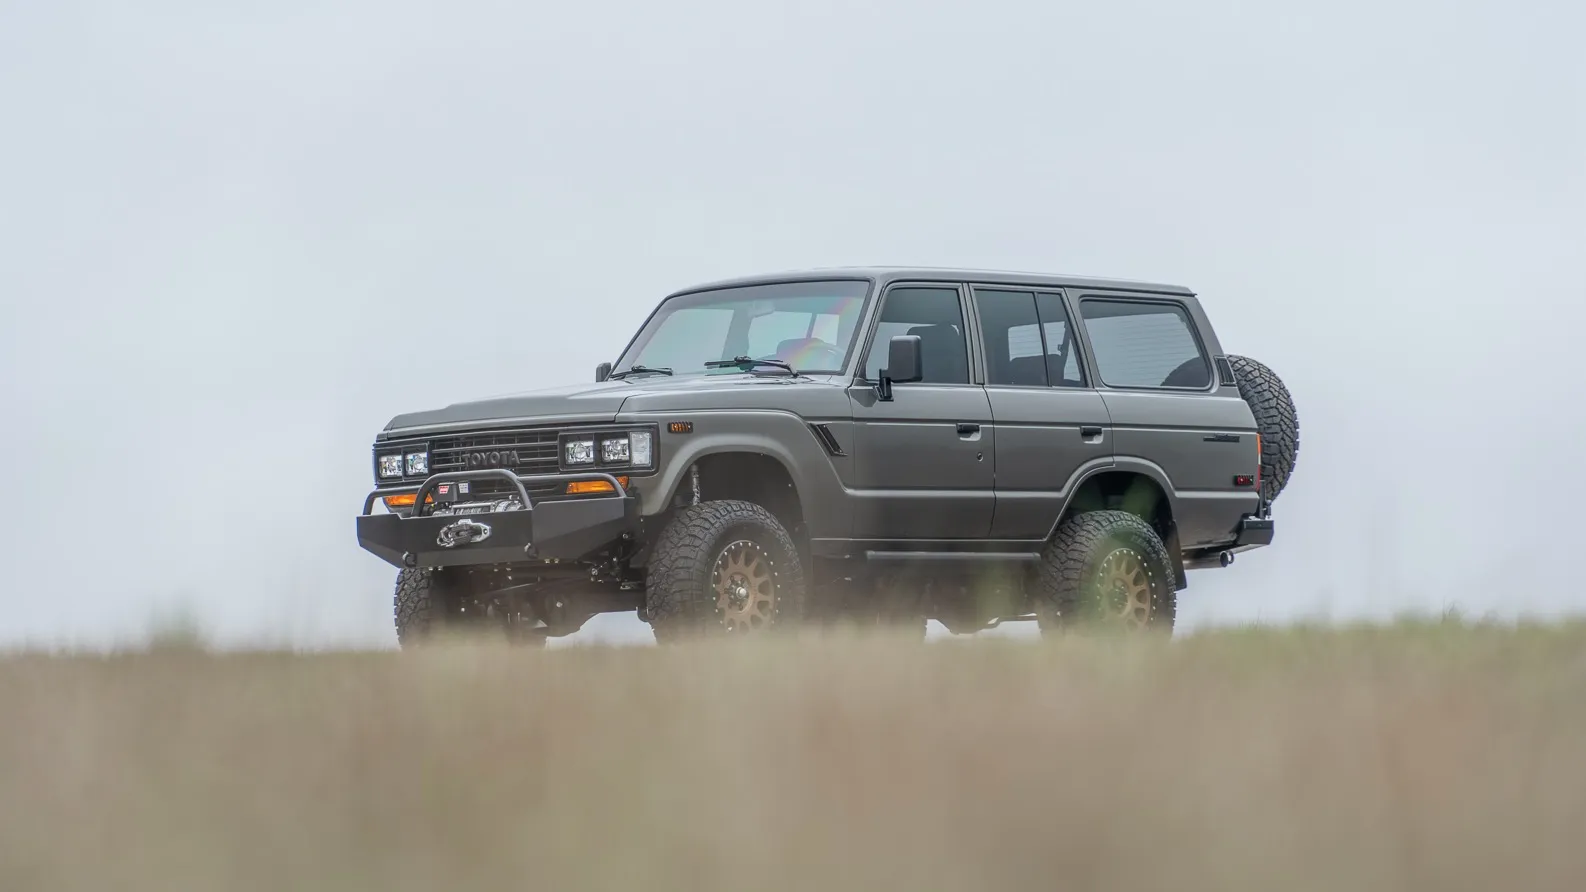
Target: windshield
(808, 325)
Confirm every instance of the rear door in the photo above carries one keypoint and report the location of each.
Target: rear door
(1169, 411)
(924, 460)
(1050, 424)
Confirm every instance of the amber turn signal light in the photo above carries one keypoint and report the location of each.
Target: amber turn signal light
(405, 501)
(586, 487)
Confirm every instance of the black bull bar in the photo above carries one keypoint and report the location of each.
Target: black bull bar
(485, 532)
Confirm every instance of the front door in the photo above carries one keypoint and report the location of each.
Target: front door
(1051, 425)
(925, 459)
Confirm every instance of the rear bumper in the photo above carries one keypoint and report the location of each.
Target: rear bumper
(509, 529)
(1254, 532)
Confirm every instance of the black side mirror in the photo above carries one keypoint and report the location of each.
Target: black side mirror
(903, 364)
(602, 371)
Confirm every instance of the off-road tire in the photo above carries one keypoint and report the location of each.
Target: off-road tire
(681, 600)
(1068, 594)
(426, 606)
(423, 605)
(1276, 419)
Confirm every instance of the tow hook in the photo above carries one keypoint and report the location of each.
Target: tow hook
(462, 532)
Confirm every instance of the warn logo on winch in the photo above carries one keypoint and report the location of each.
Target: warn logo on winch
(479, 460)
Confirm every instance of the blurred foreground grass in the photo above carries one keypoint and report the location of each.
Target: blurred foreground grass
(1433, 756)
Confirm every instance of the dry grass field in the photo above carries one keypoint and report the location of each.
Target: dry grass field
(1433, 756)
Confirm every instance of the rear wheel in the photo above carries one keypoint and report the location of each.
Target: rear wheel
(723, 568)
(1105, 570)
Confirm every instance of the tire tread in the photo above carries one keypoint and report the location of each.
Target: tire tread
(1276, 418)
(1069, 559)
(676, 598)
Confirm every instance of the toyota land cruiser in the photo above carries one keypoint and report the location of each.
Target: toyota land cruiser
(880, 445)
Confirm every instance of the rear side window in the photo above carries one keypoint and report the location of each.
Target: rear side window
(1062, 349)
(1010, 331)
(1027, 339)
(1144, 344)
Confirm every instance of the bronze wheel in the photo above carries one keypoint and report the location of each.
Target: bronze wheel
(745, 587)
(1123, 589)
(724, 568)
(1107, 570)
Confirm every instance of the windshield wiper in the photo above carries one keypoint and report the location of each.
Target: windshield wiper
(748, 362)
(638, 370)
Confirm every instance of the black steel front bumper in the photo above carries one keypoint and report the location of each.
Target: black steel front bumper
(565, 529)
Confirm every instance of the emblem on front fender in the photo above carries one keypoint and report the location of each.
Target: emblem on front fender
(462, 532)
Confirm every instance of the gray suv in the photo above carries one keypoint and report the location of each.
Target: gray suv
(878, 446)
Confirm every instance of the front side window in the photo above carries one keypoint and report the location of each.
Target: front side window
(809, 325)
(932, 313)
(1144, 344)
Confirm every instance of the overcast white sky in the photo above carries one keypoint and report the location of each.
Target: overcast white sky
(228, 233)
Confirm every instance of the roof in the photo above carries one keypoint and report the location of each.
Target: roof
(887, 274)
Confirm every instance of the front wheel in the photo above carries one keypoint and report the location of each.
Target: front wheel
(723, 568)
(431, 603)
(426, 603)
(1105, 570)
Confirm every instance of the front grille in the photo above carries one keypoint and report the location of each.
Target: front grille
(536, 449)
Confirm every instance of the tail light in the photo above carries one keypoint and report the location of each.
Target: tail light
(1258, 461)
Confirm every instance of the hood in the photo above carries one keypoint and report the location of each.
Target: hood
(577, 403)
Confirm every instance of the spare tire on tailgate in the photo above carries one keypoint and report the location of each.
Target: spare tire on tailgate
(1276, 419)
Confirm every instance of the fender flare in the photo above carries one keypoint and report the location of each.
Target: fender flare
(1113, 465)
(689, 455)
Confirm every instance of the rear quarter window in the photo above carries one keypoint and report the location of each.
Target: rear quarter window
(1144, 344)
